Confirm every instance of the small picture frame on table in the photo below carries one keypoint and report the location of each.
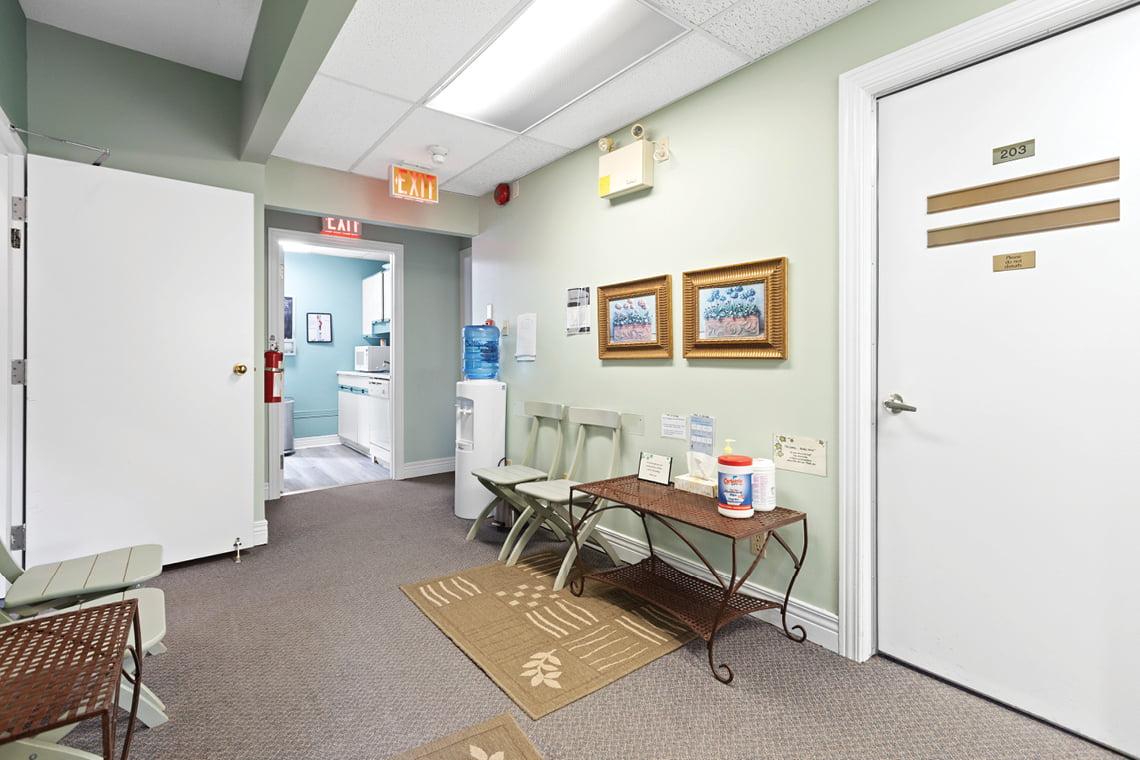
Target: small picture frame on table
(654, 468)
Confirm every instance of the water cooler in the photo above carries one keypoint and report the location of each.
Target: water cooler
(480, 417)
(480, 440)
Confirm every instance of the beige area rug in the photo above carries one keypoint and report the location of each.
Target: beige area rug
(545, 648)
(499, 738)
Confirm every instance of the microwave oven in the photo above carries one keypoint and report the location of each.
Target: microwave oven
(372, 358)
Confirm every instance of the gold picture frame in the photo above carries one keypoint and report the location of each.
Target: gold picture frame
(736, 312)
(634, 319)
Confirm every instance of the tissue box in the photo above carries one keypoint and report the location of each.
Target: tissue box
(696, 485)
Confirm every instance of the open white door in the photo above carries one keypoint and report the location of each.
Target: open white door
(140, 306)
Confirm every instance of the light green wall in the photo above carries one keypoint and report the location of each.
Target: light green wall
(753, 175)
(431, 333)
(13, 63)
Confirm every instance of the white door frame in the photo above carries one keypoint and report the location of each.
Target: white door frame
(1004, 29)
(275, 309)
(12, 341)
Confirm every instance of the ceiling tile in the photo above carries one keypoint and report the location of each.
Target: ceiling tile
(336, 123)
(687, 65)
(406, 47)
(467, 142)
(761, 27)
(519, 158)
(694, 11)
(211, 36)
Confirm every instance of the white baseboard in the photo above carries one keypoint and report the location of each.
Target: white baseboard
(822, 626)
(260, 532)
(316, 440)
(427, 467)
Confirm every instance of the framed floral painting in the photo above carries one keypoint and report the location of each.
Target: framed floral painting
(736, 312)
(633, 319)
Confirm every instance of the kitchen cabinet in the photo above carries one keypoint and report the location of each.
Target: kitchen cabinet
(380, 421)
(376, 292)
(353, 422)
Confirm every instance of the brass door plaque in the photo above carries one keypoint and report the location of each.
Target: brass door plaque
(1007, 262)
(1015, 151)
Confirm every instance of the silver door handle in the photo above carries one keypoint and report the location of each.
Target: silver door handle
(894, 403)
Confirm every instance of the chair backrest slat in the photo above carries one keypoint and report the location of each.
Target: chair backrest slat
(544, 413)
(600, 419)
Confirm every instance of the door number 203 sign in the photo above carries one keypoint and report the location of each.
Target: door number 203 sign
(1013, 152)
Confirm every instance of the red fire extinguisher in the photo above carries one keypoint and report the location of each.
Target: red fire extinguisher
(274, 374)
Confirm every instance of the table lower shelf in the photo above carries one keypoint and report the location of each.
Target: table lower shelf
(693, 601)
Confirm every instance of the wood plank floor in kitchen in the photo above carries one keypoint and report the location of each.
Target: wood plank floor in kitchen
(315, 467)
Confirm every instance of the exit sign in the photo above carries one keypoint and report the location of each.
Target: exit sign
(349, 228)
(412, 185)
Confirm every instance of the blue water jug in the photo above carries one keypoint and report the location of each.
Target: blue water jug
(480, 352)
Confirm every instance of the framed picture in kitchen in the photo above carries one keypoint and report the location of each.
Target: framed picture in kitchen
(737, 311)
(633, 319)
(320, 327)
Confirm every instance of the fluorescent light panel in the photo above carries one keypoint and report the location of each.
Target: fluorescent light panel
(554, 53)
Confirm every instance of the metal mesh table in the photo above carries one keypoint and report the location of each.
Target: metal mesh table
(702, 606)
(59, 669)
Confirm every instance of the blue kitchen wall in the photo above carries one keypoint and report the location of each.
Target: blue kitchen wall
(328, 285)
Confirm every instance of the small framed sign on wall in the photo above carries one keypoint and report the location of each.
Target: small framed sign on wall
(320, 327)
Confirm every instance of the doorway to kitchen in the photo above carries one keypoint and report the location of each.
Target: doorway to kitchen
(334, 312)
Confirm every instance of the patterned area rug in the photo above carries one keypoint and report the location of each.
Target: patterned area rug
(545, 648)
(496, 739)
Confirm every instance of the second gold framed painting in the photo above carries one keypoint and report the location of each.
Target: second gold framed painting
(737, 311)
(633, 319)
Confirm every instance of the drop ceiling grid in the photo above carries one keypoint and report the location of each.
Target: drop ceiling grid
(467, 143)
(336, 123)
(518, 158)
(405, 48)
(678, 70)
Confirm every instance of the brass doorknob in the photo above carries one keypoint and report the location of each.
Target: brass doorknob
(240, 369)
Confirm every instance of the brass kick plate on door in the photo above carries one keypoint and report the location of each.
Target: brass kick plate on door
(1007, 262)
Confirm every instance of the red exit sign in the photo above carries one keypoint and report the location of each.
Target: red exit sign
(330, 225)
(412, 185)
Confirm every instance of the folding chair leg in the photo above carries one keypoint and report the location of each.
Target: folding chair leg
(585, 532)
(536, 521)
(487, 510)
(152, 711)
(520, 525)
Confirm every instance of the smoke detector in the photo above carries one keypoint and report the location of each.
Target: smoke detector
(438, 153)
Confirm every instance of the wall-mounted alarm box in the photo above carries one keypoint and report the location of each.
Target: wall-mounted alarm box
(626, 170)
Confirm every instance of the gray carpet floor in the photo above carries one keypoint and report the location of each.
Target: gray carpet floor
(307, 649)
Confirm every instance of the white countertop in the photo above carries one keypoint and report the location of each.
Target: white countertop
(384, 375)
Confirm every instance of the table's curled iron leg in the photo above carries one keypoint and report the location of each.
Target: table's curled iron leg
(577, 579)
(799, 563)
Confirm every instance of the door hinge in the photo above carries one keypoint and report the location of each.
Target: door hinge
(19, 208)
(19, 372)
(18, 538)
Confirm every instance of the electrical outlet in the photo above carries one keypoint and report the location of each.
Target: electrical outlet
(758, 544)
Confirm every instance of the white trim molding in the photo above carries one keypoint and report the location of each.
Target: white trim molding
(260, 532)
(313, 441)
(427, 467)
(822, 627)
(1004, 29)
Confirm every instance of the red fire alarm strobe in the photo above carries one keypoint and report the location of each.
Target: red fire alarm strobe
(502, 193)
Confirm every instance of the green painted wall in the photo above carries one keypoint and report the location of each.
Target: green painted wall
(431, 335)
(753, 175)
(13, 63)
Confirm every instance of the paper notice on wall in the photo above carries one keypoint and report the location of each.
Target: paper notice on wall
(800, 454)
(702, 433)
(577, 311)
(673, 426)
(526, 341)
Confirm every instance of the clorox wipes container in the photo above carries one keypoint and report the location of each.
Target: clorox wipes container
(734, 483)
